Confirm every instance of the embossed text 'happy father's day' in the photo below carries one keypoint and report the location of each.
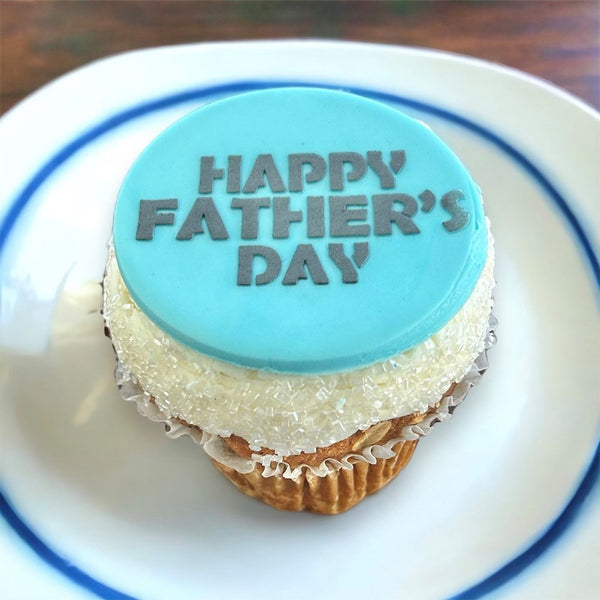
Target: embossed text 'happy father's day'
(348, 214)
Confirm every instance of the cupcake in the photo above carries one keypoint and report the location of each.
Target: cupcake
(301, 280)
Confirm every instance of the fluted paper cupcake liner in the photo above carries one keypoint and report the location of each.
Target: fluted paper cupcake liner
(332, 493)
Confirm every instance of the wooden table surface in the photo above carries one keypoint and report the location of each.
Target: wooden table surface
(553, 39)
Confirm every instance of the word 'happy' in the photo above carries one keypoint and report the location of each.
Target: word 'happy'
(348, 215)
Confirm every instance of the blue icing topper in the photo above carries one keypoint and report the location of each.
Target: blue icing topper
(299, 230)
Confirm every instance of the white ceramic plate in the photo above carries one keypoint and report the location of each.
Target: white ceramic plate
(97, 501)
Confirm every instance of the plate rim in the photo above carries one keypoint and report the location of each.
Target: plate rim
(449, 55)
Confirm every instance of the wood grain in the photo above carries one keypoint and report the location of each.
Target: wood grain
(556, 40)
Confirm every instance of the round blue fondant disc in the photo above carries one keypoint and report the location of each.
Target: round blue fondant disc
(299, 230)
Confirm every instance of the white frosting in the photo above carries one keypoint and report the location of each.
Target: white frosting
(292, 413)
(276, 466)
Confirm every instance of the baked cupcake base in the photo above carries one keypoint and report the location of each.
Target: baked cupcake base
(331, 494)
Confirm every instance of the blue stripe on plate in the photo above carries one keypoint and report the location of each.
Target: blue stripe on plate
(520, 562)
(58, 562)
(502, 575)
